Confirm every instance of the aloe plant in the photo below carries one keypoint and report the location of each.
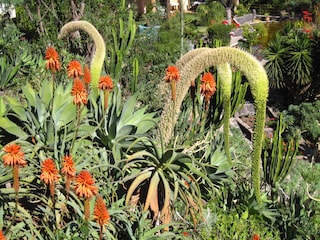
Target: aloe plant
(258, 82)
(45, 119)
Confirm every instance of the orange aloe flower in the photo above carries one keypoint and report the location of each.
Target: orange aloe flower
(172, 73)
(86, 75)
(79, 92)
(85, 185)
(52, 60)
(49, 174)
(86, 189)
(106, 84)
(172, 76)
(2, 236)
(74, 69)
(101, 213)
(68, 170)
(255, 237)
(14, 157)
(208, 86)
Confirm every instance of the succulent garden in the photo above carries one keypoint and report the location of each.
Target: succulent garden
(117, 123)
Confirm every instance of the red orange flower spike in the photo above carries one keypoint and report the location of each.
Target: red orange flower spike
(106, 84)
(86, 75)
(101, 214)
(49, 174)
(85, 187)
(74, 69)
(79, 92)
(68, 170)
(52, 60)
(2, 236)
(208, 86)
(13, 156)
(173, 76)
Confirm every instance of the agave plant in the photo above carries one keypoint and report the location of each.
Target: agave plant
(121, 122)
(161, 177)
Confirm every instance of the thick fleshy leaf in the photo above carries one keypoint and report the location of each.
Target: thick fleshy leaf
(12, 128)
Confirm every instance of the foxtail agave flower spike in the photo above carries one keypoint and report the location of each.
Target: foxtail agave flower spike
(225, 75)
(99, 55)
(259, 85)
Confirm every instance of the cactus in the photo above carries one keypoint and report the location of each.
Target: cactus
(99, 55)
(122, 42)
(258, 82)
(278, 155)
(134, 81)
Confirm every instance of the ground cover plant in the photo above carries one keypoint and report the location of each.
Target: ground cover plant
(84, 156)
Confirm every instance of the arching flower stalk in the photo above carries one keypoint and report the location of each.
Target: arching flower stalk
(101, 214)
(105, 84)
(258, 82)
(49, 174)
(225, 75)
(85, 189)
(100, 52)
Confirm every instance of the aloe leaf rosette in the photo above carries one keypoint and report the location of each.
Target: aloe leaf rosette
(258, 82)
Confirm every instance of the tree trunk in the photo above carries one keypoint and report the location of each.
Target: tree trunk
(229, 17)
(77, 14)
(168, 9)
(141, 6)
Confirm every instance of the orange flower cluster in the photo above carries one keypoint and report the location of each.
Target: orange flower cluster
(74, 69)
(86, 75)
(68, 170)
(255, 237)
(2, 236)
(52, 60)
(79, 93)
(49, 172)
(85, 187)
(13, 156)
(101, 214)
(172, 76)
(105, 83)
(208, 86)
(172, 73)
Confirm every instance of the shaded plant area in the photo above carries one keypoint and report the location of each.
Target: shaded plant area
(109, 132)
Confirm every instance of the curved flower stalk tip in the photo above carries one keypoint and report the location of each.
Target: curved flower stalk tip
(99, 55)
(258, 82)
